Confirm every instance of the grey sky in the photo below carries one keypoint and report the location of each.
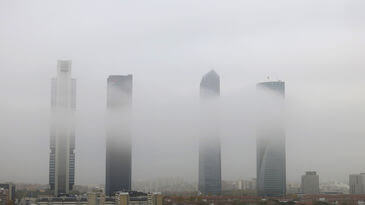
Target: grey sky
(315, 46)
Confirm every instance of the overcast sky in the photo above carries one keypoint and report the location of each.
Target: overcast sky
(315, 46)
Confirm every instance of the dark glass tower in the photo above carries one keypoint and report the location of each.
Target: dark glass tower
(118, 141)
(209, 141)
(271, 163)
(62, 140)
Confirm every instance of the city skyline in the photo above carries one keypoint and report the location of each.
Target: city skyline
(65, 67)
(314, 46)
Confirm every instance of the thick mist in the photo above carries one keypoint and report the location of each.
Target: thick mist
(316, 47)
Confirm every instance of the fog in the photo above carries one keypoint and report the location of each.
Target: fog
(316, 47)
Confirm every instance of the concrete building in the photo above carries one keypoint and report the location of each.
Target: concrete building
(62, 139)
(209, 141)
(119, 139)
(310, 183)
(138, 198)
(5, 197)
(7, 192)
(357, 183)
(270, 150)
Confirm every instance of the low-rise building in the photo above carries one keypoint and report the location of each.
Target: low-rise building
(138, 198)
(98, 198)
(246, 184)
(62, 200)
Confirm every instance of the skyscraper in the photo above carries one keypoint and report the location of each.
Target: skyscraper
(310, 183)
(119, 142)
(62, 140)
(209, 141)
(271, 164)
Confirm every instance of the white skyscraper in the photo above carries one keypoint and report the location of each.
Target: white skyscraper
(62, 140)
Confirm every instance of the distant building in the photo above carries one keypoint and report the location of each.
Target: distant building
(138, 198)
(82, 188)
(120, 198)
(270, 151)
(62, 140)
(357, 183)
(334, 187)
(210, 182)
(246, 184)
(310, 183)
(170, 185)
(99, 198)
(119, 139)
(61, 200)
(92, 199)
(293, 188)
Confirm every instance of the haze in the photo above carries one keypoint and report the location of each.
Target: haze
(316, 47)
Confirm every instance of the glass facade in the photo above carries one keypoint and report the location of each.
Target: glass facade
(209, 141)
(271, 164)
(62, 138)
(119, 140)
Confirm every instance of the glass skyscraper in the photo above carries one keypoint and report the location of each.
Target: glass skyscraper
(62, 140)
(209, 141)
(119, 140)
(271, 163)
